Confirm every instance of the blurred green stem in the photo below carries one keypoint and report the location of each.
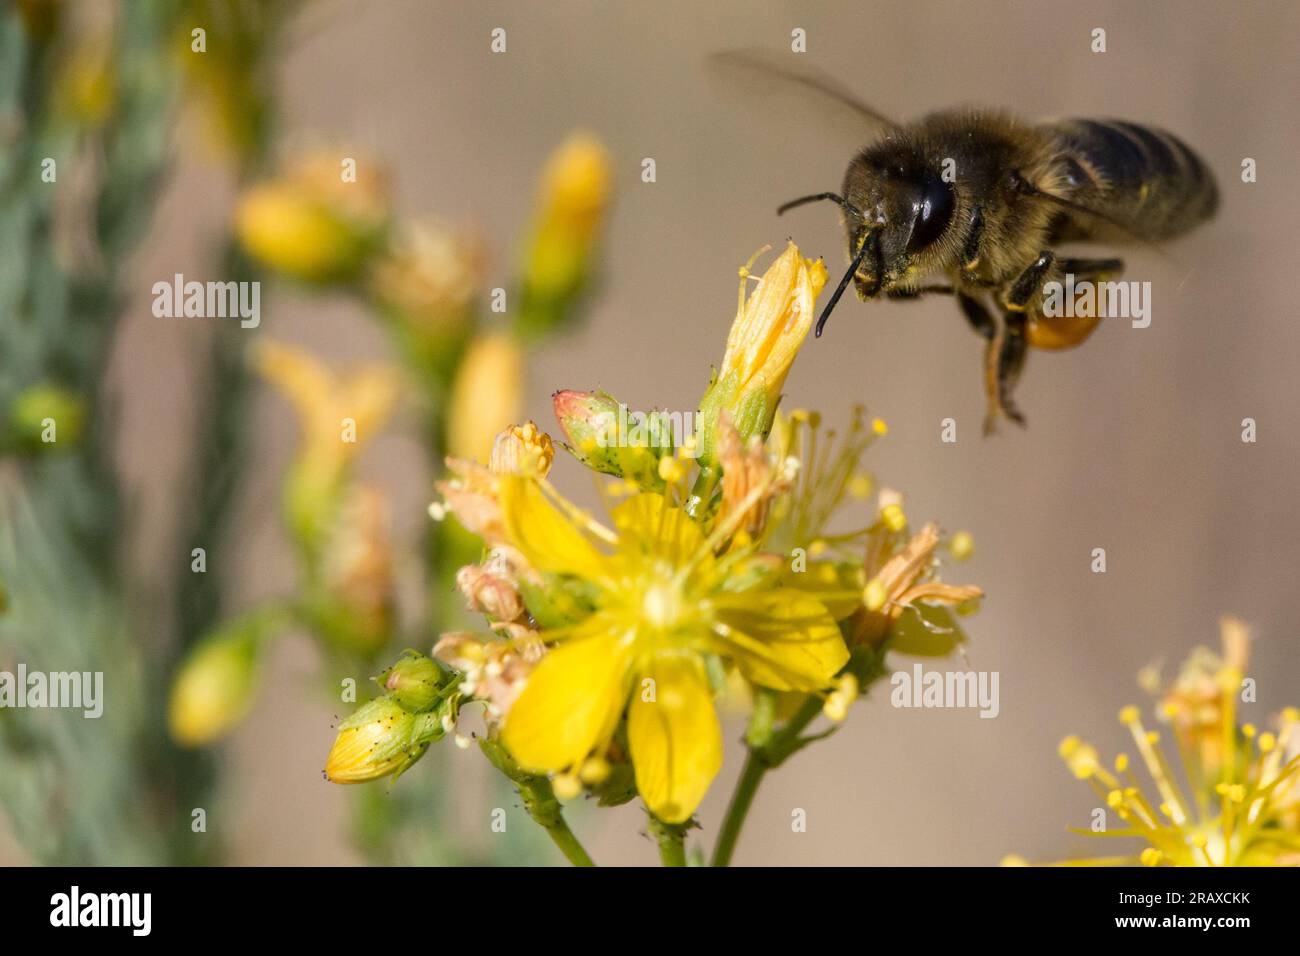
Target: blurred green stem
(767, 751)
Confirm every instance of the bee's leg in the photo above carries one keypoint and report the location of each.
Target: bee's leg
(1011, 360)
(1029, 282)
(1091, 268)
(982, 321)
(1002, 373)
(979, 318)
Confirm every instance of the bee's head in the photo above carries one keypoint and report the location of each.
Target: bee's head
(907, 205)
(895, 211)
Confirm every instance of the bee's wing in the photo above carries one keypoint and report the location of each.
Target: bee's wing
(771, 79)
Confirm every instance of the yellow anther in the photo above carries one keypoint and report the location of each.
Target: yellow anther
(567, 786)
(836, 708)
(594, 771)
(817, 548)
(894, 517)
(879, 427)
(860, 487)
(671, 470)
(1115, 799)
(1151, 856)
(1129, 715)
(848, 686)
(962, 546)
(1121, 763)
(1266, 742)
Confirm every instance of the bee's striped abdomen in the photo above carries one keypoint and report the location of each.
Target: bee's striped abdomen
(1142, 178)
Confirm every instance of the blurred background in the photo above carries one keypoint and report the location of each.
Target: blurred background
(1133, 445)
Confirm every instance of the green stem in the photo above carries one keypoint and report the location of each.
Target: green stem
(767, 751)
(542, 806)
(671, 838)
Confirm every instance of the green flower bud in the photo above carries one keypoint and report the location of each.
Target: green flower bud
(47, 416)
(416, 682)
(379, 740)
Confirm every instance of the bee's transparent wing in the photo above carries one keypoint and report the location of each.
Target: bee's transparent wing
(792, 91)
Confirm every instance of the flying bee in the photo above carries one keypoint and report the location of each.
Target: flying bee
(981, 198)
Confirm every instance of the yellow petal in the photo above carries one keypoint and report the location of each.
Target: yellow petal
(367, 397)
(545, 536)
(306, 382)
(647, 521)
(837, 586)
(675, 738)
(785, 640)
(572, 701)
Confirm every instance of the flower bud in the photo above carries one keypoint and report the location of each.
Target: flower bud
(380, 739)
(416, 682)
(771, 324)
(589, 421)
(46, 416)
(486, 396)
(490, 592)
(573, 200)
(214, 688)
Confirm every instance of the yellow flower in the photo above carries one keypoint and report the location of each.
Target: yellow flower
(486, 396)
(663, 603)
(337, 415)
(312, 223)
(770, 326)
(1243, 806)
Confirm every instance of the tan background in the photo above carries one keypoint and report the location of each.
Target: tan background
(1133, 442)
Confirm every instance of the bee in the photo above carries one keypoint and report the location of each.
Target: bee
(981, 198)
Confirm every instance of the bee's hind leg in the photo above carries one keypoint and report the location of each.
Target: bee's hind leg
(1011, 348)
(1003, 356)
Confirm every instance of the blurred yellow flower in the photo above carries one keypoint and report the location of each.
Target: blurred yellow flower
(663, 602)
(316, 221)
(770, 326)
(213, 690)
(573, 199)
(486, 397)
(337, 414)
(356, 602)
(86, 86)
(1243, 808)
(426, 283)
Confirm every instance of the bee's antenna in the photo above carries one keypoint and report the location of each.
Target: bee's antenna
(836, 198)
(872, 239)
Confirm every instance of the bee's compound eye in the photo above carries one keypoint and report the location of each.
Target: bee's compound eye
(933, 213)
